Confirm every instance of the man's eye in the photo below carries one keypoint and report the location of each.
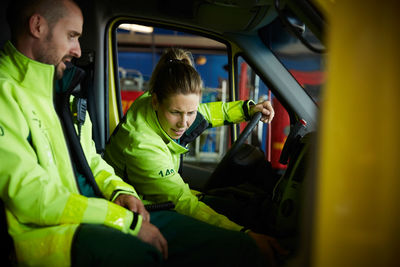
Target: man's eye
(73, 36)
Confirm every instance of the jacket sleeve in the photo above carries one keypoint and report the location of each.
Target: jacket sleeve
(150, 169)
(222, 113)
(110, 185)
(37, 196)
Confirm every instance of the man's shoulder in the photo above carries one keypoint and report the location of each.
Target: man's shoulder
(7, 84)
(6, 69)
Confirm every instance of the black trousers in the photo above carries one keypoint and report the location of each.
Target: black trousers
(190, 243)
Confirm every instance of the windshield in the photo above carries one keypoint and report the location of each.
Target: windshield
(306, 66)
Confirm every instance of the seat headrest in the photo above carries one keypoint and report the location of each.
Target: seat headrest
(4, 28)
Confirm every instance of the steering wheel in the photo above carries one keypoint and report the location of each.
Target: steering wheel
(218, 177)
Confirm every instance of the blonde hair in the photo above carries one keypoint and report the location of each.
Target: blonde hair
(175, 74)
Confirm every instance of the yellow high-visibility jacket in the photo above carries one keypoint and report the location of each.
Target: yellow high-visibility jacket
(141, 152)
(43, 204)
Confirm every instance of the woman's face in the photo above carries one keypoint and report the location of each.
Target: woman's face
(176, 113)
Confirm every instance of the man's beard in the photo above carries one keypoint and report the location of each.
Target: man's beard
(49, 57)
(59, 71)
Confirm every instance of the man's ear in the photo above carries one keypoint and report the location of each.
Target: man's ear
(37, 25)
(154, 101)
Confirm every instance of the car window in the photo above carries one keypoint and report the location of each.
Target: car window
(270, 138)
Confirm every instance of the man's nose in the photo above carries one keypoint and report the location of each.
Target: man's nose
(76, 50)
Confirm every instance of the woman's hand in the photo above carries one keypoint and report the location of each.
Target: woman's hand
(269, 247)
(266, 109)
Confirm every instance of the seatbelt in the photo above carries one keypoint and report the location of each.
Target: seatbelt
(64, 88)
(199, 125)
(79, 108)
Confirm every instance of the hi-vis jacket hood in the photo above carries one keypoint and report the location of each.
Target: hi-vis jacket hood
(142, 152)
(43, 204)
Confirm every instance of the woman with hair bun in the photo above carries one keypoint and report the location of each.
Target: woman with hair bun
(146, 147)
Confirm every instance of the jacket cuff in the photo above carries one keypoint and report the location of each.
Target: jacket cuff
(136, 224)
(246, 108)
(118, 192)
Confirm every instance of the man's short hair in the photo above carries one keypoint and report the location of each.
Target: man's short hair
(19, 12)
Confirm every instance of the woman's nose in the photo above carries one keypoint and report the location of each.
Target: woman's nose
(183, 120)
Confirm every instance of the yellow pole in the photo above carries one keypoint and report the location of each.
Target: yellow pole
(358, 209)
(113, 114)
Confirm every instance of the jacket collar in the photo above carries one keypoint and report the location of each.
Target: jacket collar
(29, 72)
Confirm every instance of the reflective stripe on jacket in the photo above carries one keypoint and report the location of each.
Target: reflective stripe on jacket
(142, 152)
(37, 181)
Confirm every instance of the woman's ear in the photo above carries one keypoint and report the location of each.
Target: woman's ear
(154, 101)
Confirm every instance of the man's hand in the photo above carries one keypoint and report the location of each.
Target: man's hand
(265, 108)
(133, 204)
(268, 247)
(150, 234)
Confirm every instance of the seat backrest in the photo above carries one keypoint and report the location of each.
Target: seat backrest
(6, 242)
(4, 29)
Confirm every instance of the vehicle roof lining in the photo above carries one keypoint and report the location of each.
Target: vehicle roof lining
(210, 15)
(226, 16)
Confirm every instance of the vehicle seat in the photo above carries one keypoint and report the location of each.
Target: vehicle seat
(7, 256)
(4, 30)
